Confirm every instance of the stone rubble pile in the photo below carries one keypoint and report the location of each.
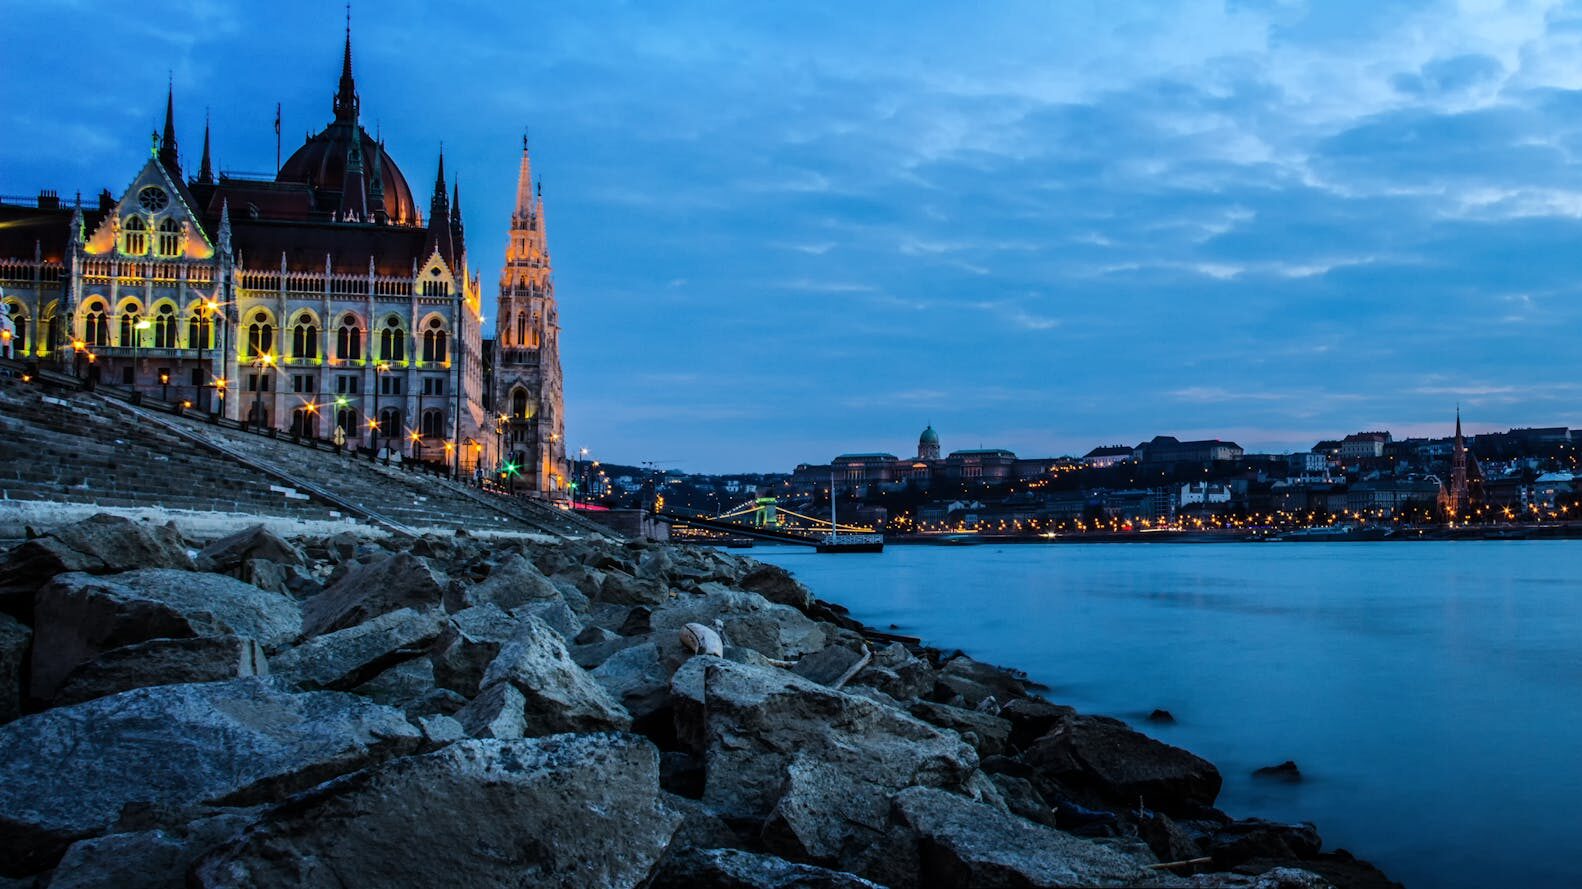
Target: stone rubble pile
(452, 711)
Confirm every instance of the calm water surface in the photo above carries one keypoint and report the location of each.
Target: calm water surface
(1429, 692)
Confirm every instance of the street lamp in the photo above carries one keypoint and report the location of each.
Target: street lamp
(417, 446)
(380, 369)
(206, 310)
(164, 385)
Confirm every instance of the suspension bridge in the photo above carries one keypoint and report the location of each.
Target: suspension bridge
(763, 518)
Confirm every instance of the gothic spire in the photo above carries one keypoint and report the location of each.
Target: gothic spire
(168, 155)
(205, 170)
(354, 195)
(439, 223)
(457, 231)
(524, 190)
(224, 234)
(376, 185)
(346, 101)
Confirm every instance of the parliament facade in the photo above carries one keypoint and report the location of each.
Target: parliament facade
(323, 299)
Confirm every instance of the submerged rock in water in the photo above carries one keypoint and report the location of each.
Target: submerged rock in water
(1285, 771)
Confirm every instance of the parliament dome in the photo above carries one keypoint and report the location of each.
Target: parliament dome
(321, 163)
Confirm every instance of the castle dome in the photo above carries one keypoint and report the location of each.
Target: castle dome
(321, 163)
(929, 436)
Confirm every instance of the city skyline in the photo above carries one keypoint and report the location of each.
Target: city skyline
(780, 235)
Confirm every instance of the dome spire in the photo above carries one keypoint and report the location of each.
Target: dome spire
(346, 102)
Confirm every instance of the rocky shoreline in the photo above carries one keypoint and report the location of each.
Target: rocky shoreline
(346, 711)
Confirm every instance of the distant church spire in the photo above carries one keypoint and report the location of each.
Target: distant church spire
(524, 190)
(346, 101)
(205, 170)
(168, 156)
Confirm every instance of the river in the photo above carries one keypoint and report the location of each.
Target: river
(1430, 692)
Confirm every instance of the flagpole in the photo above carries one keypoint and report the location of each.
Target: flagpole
(277, 138)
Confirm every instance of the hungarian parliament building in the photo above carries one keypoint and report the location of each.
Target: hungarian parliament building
(322, 299)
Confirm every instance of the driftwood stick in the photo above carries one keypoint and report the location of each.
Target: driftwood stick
(867, 655)
(1168, 864)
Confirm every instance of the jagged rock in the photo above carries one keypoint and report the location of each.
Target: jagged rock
(163, 662)
(1106, 763)
(401, 684)
(654, 567)
(345, 659)
(991, 731)
(686, 702)
(736, 869)
(588, 582)
(100, 544)
(387, 584)
(897, 673)
(777, 585)
(966, 843)
(1285, 771)
(554, 612)
(590, 655)
(570, 810)
(440, 729)
(591, 635)
(14, 641)
(1273, 878)
(1163, 717)
(622, 588)
(828, 665)
(821, 762)
(145, 859)
(513, 582)
(230, 554)
(1031, 719)
(561, 696)
(748, 620)
(499, 711)
(1022, 799)
(1168, 839)
(974, 681)
(469, 644)
(637, 679)
(1241, 841)
(67, 773)
(80, 616)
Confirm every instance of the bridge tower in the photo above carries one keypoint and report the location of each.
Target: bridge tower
(527, 364)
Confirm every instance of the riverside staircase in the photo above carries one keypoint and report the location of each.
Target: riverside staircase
(63, 445)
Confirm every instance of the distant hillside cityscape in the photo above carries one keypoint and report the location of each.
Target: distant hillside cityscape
(1526, 474)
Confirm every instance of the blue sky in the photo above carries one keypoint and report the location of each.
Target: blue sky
(782, 231)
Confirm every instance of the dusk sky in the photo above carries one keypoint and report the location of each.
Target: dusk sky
(784, 231)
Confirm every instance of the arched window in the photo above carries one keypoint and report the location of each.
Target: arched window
(390, 422)
(346, 418)
(349, 340)
(303, 422)
(19, 339)
(433, 423)
(165, 329)
(519, 404)
(521, 329)
(96, 324)
(392, 342)
(434, 345)
(305, 338)
(200, 331)
(134, 236)
(169, 237)
(130, 335)
(260, 337)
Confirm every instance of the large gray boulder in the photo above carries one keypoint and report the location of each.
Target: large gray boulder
(777, 585)
(746, 620)
(79, 616)
(144, 859)
(163, 662)
(100, 544)
(636, 677)
(960, 842)
(563, 811)
(560, 696)
(990, 731)
(15, 638)
(736, 869)
(386, 584)
(1104, 763)
(347, 658)
(818, 764)
(229, 554)
(499, 711)
(67, 773)
(514, 581)
(468, 644)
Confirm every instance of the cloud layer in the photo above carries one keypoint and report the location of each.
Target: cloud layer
(781, 233)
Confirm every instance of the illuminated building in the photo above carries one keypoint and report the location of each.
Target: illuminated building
(322, 296)
(526, 361)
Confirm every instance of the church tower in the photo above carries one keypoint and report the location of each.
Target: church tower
(527, 383)
(1457, 499)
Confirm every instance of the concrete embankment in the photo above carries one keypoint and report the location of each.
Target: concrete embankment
(346, 710)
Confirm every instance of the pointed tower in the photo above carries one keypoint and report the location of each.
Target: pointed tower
(354, 189)
(527, 381)
(458, 235)
(439, 226)
(205, 169)
(346, 101)
(376, 186)
(169, 157)
(1458, 500)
